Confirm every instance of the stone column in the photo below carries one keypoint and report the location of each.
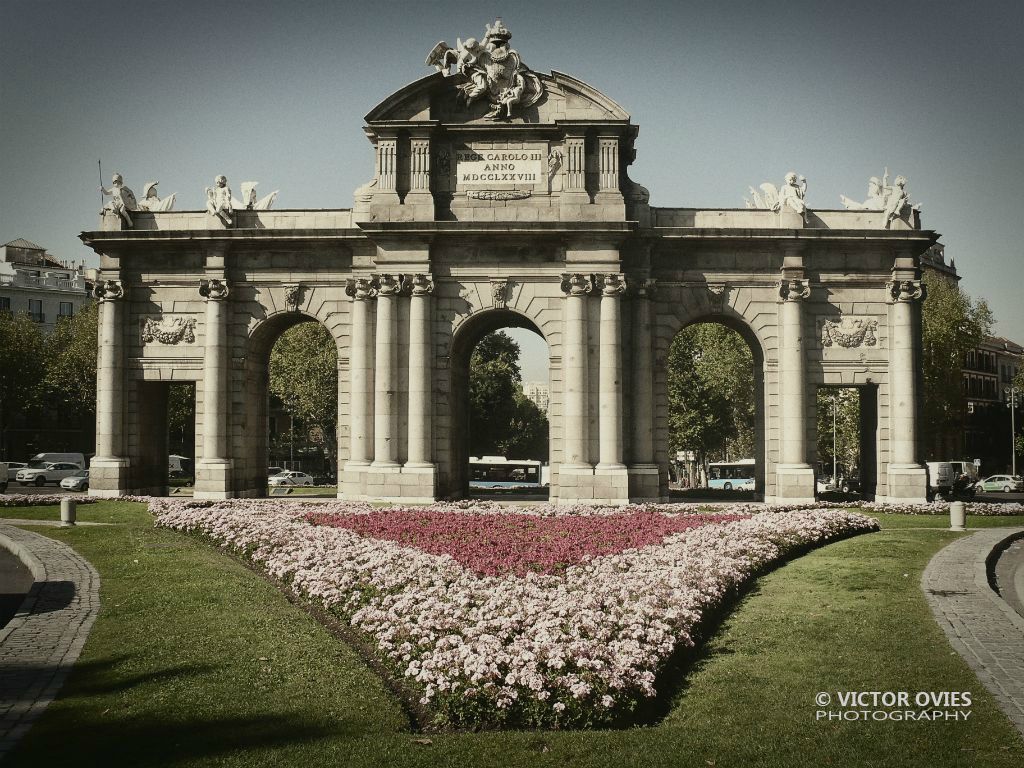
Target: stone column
(362, 291)
(108, 469)
(794, 476)
(385, 393)
(610, 392)
(907, 478)
(420, 364)
(419, 201)
(643, 376)
(213, 479)
(575, 371)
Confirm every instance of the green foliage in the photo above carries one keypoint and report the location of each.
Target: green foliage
(503, 421)
(846, 401)
(711, 393)
(304, 376)
(951, 324)
(22, 358)
(70, 358)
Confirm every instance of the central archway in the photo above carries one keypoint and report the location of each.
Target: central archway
(468, 335)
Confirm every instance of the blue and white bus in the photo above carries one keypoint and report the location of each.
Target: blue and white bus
(732, 475)
(491, 472)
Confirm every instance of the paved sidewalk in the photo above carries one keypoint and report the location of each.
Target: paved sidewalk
(41, 643)
(980, 626)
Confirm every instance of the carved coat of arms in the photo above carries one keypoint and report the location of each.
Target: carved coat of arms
(491, 70)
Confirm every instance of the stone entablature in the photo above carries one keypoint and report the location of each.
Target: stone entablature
(424, 265)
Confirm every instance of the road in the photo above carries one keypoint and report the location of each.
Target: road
(1010, 575)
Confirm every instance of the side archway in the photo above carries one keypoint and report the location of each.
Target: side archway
(251, 475)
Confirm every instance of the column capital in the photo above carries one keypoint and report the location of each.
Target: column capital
(577, 283)
(109, 290)
(360, 288)
(899, 291)
(391, 284)
(214, 289)
(422, 285)
(612, 284)
(793, 289)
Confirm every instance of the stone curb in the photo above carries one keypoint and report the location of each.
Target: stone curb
(980, 626)
(43, 640)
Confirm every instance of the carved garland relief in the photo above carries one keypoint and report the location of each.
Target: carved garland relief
(172, 330)
(849, 332)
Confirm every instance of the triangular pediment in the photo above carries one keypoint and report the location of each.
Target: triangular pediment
(434, 100)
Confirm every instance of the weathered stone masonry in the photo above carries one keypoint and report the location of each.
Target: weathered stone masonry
(559, 240)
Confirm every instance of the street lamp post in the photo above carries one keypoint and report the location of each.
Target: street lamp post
(835, 407)
(1011, 393)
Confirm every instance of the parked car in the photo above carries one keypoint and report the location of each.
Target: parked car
(941, 477)
(290, 477)
(76, 482)
(1004, 483)
(271, 471)
(53, 473)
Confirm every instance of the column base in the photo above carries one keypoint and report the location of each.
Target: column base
(582, 484)
(794, 484)
(908, 484)
(408, 484)
(645, 484)
(108, 476)
(213, 479)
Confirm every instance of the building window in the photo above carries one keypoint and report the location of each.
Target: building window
(67, 309)
(35, 310)
(5, 304)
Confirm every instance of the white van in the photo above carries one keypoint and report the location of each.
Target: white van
(42, 459)
(941, 477)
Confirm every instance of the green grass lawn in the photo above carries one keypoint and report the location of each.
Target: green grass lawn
(194, 660)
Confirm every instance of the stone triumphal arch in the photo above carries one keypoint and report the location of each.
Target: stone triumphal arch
(499, 197)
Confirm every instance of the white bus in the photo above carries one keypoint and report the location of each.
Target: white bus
(489, 472)
(732, 475)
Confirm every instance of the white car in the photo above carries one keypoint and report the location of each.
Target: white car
(52, 472)
(77, 482)
(290, 477)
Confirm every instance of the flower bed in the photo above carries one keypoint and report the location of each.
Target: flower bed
(579, 644)
(39, 499)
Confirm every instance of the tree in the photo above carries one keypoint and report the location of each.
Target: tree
(21, 358)
(304, 376)
(951, 325)
(70, 353)
(711, 393)
(846, 401)
(503, 421)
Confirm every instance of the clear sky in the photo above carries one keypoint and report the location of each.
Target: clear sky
(726, 95)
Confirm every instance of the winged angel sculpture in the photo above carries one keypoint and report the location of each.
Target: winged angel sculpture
(790, 197)
(221, 201)
(491, 69)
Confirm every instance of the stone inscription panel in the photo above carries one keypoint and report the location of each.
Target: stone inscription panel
(496, 168)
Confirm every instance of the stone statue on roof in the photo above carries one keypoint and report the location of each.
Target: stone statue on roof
(150, 200)
(791, 196)
(122, 199)
(490, 70)
(220, 201)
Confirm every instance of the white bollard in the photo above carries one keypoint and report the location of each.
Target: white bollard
(67, 513)
(957, 516)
